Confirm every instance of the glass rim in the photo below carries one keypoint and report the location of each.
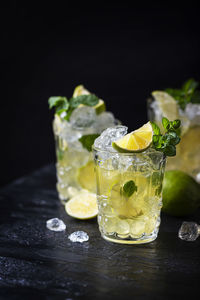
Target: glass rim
(147, 152)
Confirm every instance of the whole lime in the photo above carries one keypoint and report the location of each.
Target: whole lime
(181, 194)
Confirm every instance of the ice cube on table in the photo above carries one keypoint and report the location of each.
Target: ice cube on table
(189, 231)
(55, 224)
(111, 134)
(83, 117)
(78, 236)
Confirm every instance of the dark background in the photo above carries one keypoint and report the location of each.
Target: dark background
(119, 52)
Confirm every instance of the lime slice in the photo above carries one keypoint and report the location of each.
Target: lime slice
(167, 105)
(57, 124)
(100, 107)
(81, 90)
(82, 206)
(86, 177)
(136, 141)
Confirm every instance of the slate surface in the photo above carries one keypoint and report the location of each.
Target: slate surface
(36, 263)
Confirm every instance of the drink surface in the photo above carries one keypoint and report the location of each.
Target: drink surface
(131, 216)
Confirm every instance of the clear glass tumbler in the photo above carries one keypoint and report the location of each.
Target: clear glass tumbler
(129, 194)
(75, 165)
(187, 158)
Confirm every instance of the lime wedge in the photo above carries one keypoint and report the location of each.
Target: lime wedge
(86, 177)
(100, 107)
(167, 105)
(136, 141)
(82, 206)
(81, 90)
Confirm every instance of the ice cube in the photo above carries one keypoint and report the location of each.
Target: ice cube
(198, 177)
(111, 134)
(189, 231)
(65, 131)
(192, 111)
(155, 112)
(55, 224)
(104, 120)
(78, 236)
(83, 117)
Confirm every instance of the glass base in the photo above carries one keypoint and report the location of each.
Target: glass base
(130, 241)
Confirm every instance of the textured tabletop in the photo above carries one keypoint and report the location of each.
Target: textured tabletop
(36, 263)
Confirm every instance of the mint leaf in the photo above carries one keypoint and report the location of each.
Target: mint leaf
(173, 138)
(60, 103)
(166, 123)
(129, 188)
(188, 93)
(156, 129)
(156, 139)
(176, 124)
(166, 142)
(57, 101)
(89, 100)
(170, 150)
(189, 86)
(88, 140)
(195, 98)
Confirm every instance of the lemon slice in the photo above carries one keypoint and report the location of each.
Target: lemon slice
(167, 105)
(82, 206)
(81, 90)
(86, 177)
(136, 141)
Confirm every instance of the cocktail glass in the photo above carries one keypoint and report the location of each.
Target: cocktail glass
(123, 218)
(75, 166)
(187, 158)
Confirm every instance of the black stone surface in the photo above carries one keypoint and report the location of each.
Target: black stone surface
(36, 263)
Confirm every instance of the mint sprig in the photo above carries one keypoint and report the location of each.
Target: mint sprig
(129, 188)
(188, 93)
(88, 140)
(62, 104)
(166, 142)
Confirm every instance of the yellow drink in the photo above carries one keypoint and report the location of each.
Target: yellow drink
(75, 166)
(128, 219)
(187, 158)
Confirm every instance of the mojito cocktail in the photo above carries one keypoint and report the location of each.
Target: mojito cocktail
(183, 104)
(129, 185)
(77, 122)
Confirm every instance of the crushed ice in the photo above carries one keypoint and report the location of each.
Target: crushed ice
(78, 236)
(111, 134)
(55, 224)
